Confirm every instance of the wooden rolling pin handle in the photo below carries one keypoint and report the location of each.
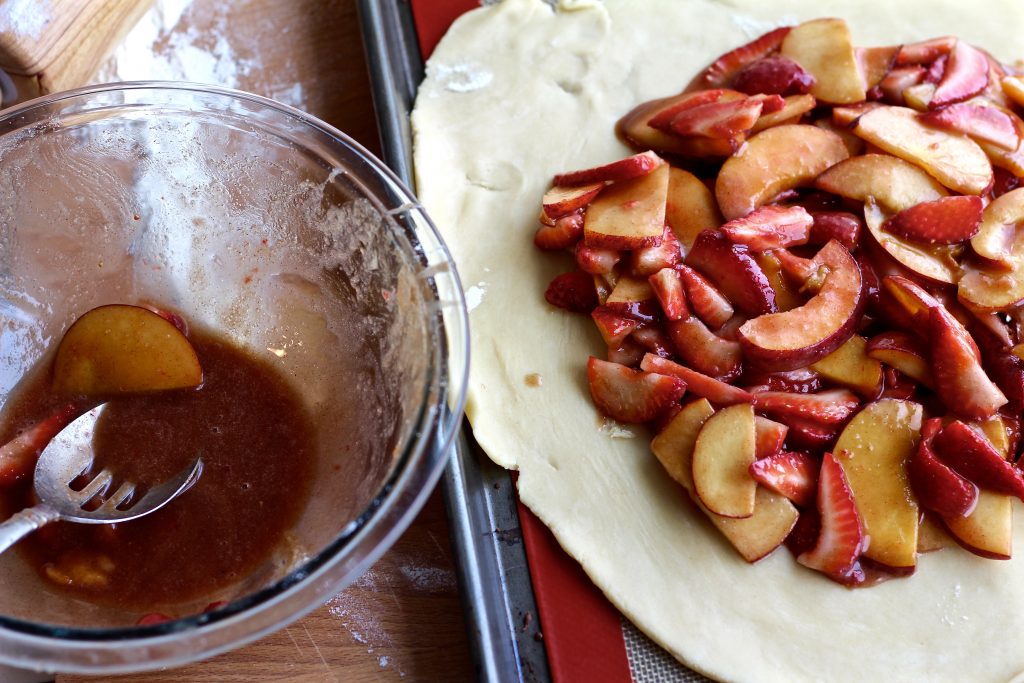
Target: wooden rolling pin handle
(63, 42)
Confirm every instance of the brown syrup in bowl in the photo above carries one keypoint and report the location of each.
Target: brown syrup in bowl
(257, 443)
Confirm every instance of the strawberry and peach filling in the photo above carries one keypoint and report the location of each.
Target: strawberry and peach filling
(810, 283)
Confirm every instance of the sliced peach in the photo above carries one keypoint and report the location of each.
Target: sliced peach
(691, 207)
(1001, 225)
(620, 169)
(988, 530)
(931, 535)
(795, 338)
(824, 48)
(774, 160)
(903, 352)
(874, 63)
(1000, 285)
(850, 366)
(786, 295)
(629, 214)
(934, 261)
(854, 145)
(753, 537)
(795, 106)
(874, 449)
(722, 457)
(673, 446)
(893, 183)
(560, 201)
(954, 160)
(1013, 86)
(756, 536)
(119, 349)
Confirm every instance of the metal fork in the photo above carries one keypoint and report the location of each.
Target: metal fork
(67, 458)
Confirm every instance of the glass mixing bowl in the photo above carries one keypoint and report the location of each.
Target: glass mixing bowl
(259, 222)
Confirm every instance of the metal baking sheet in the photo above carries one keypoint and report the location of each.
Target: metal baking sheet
(497, 592)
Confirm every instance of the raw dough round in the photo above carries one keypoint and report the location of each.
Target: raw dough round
(518, 92)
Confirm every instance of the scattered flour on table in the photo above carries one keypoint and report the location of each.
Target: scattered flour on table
(24, 19)
(356, 608)
(168, 43)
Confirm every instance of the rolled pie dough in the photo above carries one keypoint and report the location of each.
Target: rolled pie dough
(518, 92)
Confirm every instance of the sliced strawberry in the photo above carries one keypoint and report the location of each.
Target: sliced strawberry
(789, 473)
(841, 226)
(771, 103)
(653, 338)
(937, 487)
(628, 353)
(725, 68)
(572, 291)
(914, 302)
(1004, 182)
(623, 169)
(804, 535)
(841, 539)
(898, 80)
(730, 330)
(925, 52)
(703, 351)
(983, 124)
(595, 260)
(717, 392)
(723, 120)
(734, 271)
(668, 287)
(565, 233)
(972, 456)
(18, 456)
(896, 385)
(1004, 367)
(560, 201)
(614, 328)
(956, 368)
(965, 76)
(769, 436)
(706, 301)
(827, 407)
(649, 260)
(936, 70)
(801, 271)
(810, 435)
(776, 75)
(629, 395)
(947, 220)
(799, 381)
(674, 106)
(771, 227)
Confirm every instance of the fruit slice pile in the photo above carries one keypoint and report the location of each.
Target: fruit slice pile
(810, 282)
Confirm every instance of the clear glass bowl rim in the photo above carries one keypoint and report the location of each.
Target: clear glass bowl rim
(121, 650)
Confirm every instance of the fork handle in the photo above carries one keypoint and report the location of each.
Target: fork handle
(25, 522)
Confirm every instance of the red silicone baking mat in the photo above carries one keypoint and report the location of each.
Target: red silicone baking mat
(585, 637)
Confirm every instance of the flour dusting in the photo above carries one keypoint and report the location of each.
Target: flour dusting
(460, 77)
(178, 40)
(25, 19)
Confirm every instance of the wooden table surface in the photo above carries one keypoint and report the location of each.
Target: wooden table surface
(403, 619)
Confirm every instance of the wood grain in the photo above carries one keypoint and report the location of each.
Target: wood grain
(63, 42)
(403, 620)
